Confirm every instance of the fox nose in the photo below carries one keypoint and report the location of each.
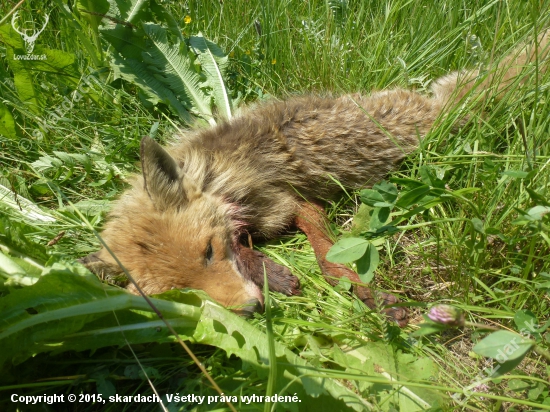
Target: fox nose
(250, 307)
(256, 305)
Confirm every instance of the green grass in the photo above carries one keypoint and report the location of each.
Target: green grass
(495, 274)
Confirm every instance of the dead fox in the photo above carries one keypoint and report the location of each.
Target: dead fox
(182, 223)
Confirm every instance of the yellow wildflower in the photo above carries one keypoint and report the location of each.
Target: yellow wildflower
(187, 19)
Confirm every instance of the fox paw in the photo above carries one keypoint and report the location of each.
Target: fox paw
(385, 300)
(281, 280)
(252, 265)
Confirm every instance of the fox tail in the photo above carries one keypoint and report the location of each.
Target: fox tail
(499, 79)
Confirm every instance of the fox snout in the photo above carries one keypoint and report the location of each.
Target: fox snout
(221, 280)
(251, 307)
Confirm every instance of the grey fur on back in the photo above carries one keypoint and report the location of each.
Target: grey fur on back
(279, 152)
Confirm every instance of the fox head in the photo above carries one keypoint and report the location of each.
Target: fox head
(170, 234)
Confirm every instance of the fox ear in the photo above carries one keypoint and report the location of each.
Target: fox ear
(161, 175)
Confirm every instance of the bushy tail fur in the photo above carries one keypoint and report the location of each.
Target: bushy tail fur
(498, 80)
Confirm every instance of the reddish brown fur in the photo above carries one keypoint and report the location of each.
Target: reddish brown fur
(253, 173)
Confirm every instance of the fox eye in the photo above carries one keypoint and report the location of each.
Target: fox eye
(209, 254)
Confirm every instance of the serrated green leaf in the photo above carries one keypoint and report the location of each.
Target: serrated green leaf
(214, 64)
(127, 62)
(130, 10)
(137, 72)
(68, 309)
(9, 267)
(174, 71)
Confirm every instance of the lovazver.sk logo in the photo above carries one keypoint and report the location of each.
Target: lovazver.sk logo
(29, 39)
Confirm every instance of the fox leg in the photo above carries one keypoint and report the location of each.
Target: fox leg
(312, 220)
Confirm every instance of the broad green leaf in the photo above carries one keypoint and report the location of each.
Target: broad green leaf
(429, 178)
(503, 346)
(538, 212)
(379, 217)
(501, 368)
(428, 328)
(387, 190)
(383, 204)
(478, 225)
(536, 391)
(526, 323)
(518, 385)
(407, 182)
(92, 11)
(380, 360)
(413, 196)
(105, 387)
(516, 174)
(22, 76)
(56, 62)
(537, 197)
(534, 214)
(370, 197)
(347, 250)
(367, 264)
(344, 284)
(7, 123)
